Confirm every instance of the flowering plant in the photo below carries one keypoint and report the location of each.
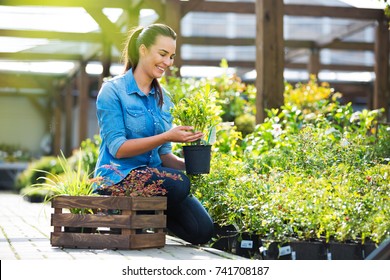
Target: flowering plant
(138, 182)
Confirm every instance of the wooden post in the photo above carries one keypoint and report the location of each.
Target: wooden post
(314, 62)
(68, 118)
(83, 102)
(57, 123)
(172, 18)
(106, 62)
(381, 87)
(269, 56)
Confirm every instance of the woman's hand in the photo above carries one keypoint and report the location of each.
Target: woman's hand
(183, 134)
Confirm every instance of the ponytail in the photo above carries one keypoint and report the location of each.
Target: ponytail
(130, 52)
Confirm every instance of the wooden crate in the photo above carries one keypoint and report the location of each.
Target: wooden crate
(140, 223)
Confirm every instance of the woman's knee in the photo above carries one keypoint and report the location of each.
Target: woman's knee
(204, 234)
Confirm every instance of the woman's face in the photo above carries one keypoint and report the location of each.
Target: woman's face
(155, 60)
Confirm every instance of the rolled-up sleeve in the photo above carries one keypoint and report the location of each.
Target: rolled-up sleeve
(165, 149)
(110, 117)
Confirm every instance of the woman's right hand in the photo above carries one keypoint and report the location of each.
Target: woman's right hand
(183, 134)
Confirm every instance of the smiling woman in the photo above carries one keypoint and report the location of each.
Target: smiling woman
(135, 123)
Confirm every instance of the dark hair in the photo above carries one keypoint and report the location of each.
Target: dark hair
(146, 36)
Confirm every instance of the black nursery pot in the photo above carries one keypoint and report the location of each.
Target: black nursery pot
(197, 159)
(224, 237)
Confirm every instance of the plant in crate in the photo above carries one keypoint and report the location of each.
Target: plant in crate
(138, 183)
(197, 107)
(128, 215)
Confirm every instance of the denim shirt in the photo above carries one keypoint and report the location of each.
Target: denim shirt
(123, 113)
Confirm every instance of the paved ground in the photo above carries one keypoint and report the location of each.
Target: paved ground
(25, 232)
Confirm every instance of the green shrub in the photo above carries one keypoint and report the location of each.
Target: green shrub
(35, 170)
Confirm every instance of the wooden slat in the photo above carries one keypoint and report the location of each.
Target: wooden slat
(148, 221)
(141, 241)
(149, 203)
(113, 221)
(85, 241)
(90, 220)
(103, 202)
(110, 202)
(101, 241)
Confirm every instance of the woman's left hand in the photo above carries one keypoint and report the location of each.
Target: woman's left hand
(183, 134)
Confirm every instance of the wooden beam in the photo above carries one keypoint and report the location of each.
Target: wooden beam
(294, 44)
(269, 56)
(218, 41)
(218, 7)
(333, 12)
(295, 53)
(110, 30)
(53, 35)
(289, 9)
(30, 56)
(333, 67)
(157, 6)
(123, 4)
(188, 6)
(25, 80)
(288, 65)
(351, 29)
(217, 62)
(350, 46)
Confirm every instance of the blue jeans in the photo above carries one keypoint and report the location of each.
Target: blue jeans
(186, 216)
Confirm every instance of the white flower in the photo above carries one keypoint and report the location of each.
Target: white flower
(276, 130)
(310, 116)
(330, 131)
(355, 117)
(344, 142)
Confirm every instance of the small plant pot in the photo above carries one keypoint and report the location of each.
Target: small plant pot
(344, 251)
(247, 245)
(224, 237)
(197, 159)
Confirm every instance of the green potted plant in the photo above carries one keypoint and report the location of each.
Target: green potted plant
(197, 107)
(71, 181)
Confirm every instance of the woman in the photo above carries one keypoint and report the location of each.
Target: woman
(136, 129)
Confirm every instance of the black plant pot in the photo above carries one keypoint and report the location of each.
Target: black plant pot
(247, 245)
(197, 159)
(224, 237)
(344, 251)
(368, 248)
(296, 250)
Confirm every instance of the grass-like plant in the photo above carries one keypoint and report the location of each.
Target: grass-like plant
(72, 181)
